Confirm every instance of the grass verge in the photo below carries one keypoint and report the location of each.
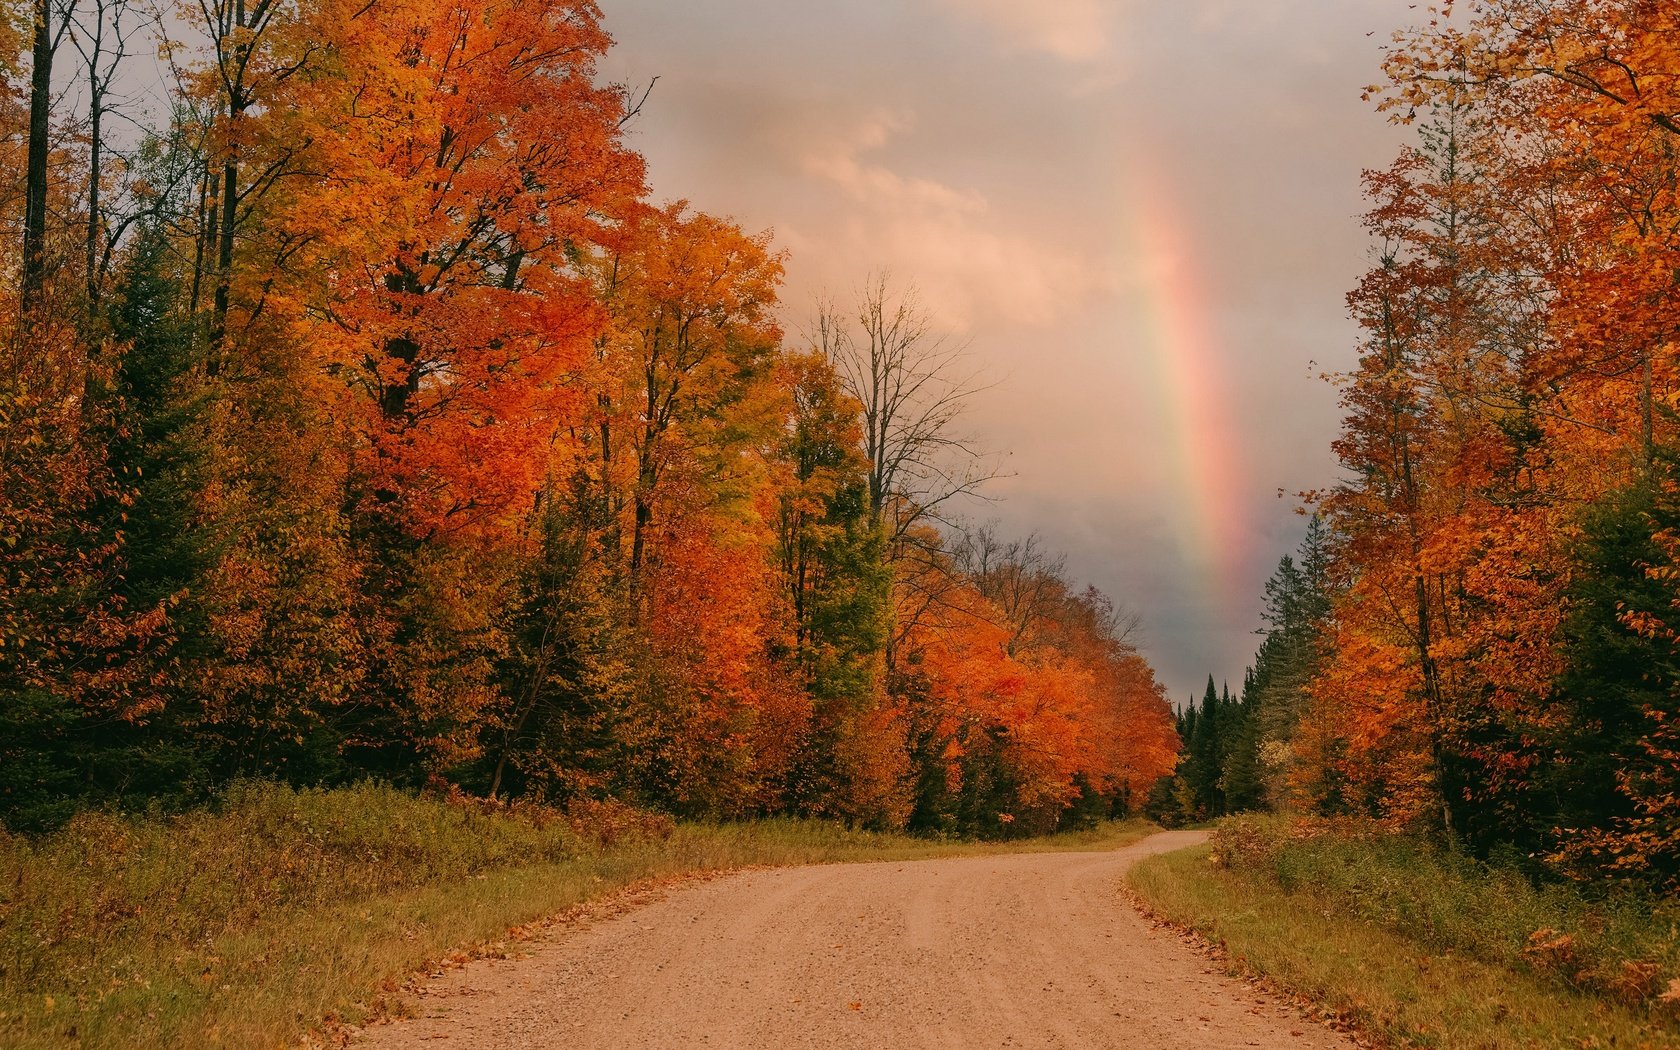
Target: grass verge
(1420, 947)
(283, 911)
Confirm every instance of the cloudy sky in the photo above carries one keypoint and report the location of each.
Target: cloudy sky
(1142, 215)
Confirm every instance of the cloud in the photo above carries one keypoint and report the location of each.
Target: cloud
(988, 151)
(969, 263)
(1072, 30)
(839, 160)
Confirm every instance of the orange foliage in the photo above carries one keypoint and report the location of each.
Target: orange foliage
(735, 719)
(1519, 365)
(478, 465)
(1078, 706)
(466, 154)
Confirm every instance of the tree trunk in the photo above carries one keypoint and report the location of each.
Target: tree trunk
(207, 213)
(237, 100)
(96, 111)
(35, 186)
(224, 262)
(1647, 412)
(638, 548)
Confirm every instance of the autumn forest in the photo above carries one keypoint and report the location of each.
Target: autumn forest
(367, 418)
(1479, 637)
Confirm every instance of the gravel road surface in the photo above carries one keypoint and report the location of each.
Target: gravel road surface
(1026, 950)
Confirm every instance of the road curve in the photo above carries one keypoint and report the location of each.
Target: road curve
(1022, 950)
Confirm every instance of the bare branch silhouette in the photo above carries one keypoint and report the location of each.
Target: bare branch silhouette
(913, 389)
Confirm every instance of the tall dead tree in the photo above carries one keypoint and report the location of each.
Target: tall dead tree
(910, 382)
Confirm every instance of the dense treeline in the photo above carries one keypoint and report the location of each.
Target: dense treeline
(364, 418)
(1504, 649)
(1499, 657)
(1239, 752)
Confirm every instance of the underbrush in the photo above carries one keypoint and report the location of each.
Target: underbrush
(1424, 946)
(280, 910)
(1607, 941)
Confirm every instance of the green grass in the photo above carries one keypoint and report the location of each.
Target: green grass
(283, 911)
(1423, 947)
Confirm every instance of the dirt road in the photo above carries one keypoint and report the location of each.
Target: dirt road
(1027, 950)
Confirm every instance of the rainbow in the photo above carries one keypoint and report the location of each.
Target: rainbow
(1190, 387)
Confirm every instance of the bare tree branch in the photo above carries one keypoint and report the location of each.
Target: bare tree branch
(910, 382)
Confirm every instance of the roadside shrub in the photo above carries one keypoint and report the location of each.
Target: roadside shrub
(1616, 943)
(112, 887)
(611, 823)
